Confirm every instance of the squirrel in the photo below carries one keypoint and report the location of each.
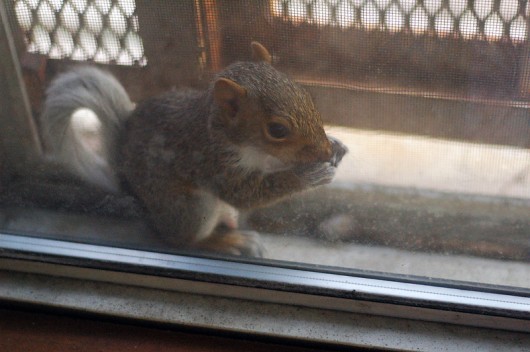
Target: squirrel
(193, 157)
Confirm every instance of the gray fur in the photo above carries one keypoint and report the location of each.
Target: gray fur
(90, 88)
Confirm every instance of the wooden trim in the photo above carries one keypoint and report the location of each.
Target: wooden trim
(524, 78)
(22, 331)
(213, 34)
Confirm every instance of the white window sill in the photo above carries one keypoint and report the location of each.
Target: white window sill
(251, 317)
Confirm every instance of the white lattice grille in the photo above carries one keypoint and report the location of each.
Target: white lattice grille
(468, 19)
(104, 31)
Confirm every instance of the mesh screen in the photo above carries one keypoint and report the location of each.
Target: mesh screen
(466, 50)
(462, 48)
(480, 19)
(104, 31)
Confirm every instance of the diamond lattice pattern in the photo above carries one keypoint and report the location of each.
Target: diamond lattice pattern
(491, 20)
(103, 31)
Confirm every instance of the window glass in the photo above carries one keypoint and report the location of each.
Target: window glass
(424, 106)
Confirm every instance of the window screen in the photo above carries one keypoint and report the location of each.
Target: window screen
(102, 31)
(485, 20)
(429, 96)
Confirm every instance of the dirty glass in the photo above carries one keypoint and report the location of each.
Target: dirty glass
(430, 98)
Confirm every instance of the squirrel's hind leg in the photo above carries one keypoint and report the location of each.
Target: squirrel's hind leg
(181, 217)
(195, 219)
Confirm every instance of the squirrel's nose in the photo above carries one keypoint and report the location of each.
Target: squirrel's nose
(338, 150)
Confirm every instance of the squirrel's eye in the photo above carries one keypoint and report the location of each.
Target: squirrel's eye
(277, 130)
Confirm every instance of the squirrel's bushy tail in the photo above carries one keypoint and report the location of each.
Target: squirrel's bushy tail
(100, 92)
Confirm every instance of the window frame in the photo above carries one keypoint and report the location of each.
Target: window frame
(155, 287)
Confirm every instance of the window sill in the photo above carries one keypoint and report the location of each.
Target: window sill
(286, 321)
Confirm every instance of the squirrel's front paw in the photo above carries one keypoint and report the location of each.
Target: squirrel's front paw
(317, 174)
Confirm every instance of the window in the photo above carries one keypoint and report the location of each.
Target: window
(428, 211)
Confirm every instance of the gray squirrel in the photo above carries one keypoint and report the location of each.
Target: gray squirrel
(192, 158)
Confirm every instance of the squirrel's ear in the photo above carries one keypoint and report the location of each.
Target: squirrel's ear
(228, 95)
(260, 53)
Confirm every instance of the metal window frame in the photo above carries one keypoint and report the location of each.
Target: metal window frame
(486, 307)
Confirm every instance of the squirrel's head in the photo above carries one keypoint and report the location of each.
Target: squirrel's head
(270, 119)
